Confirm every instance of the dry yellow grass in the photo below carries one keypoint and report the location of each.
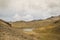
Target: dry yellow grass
(48, 29)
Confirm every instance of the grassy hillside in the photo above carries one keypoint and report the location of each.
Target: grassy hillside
(9, 33)
(4, 23)
(47, 29)
(34, 23)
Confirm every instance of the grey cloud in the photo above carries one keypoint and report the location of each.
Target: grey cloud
(4, 3)
(38, 9)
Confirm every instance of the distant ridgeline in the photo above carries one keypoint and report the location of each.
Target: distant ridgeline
(47, 29)
(31, 24)
(35, 23)
(4, 23)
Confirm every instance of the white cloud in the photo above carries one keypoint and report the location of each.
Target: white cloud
(28, 18)
(16, 17)
(20, 18)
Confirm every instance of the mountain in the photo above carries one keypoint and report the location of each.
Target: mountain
(4, 23)
(35, 23)
(9, 33)
(47, 29)
(52, 24)
(50, 29)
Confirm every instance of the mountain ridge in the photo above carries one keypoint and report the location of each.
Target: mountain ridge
(35, 23)
(47, 29)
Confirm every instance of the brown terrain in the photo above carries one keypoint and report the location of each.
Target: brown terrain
(47, 29)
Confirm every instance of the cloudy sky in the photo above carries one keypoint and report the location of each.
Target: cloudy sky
(27, 10)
